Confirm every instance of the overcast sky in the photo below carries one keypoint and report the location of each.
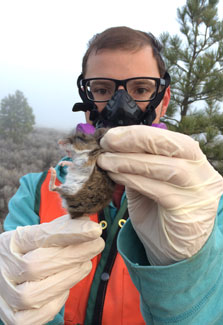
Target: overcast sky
(43, 41)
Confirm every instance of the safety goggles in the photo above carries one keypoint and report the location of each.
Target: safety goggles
(141, 89)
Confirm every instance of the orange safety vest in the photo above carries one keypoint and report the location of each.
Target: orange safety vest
(121, 301)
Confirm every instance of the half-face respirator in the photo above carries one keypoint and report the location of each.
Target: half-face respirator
(121, 109)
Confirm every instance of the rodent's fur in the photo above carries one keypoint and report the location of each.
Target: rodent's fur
(87, 188)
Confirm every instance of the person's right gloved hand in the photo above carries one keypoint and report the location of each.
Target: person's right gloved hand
(40, 263)
(172, 190)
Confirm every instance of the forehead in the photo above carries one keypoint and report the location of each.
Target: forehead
(122, 64)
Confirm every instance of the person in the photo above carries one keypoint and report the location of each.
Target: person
(171, 245)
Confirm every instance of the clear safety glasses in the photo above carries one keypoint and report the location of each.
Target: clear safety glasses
(141, 89)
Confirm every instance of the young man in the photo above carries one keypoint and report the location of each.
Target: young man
(171, 244)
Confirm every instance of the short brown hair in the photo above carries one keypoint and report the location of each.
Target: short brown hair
(124, 38)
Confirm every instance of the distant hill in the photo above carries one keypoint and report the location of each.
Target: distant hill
(39, 151)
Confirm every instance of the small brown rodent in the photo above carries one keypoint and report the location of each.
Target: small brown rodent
(87, 188)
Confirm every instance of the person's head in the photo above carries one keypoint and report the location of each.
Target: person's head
(122, 53)
(125, 39)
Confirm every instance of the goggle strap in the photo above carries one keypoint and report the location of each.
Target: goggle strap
(150, 113)
(82, 94)
(157, 100)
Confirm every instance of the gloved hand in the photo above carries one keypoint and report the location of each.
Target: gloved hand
(172, 190)
(40, 263)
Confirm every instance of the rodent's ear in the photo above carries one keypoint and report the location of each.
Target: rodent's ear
(63, 142)
(99, 133)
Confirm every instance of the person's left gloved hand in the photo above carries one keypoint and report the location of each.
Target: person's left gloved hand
(172, 190)
(40, 263)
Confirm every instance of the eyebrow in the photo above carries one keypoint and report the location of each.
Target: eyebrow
(100, 81)
(142, 82)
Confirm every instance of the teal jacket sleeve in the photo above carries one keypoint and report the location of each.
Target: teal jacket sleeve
(21, 205)
(187, 292)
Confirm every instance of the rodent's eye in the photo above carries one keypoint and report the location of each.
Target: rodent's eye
(81, 141)
(79, 138)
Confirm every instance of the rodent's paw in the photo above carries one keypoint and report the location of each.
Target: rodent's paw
(65, 163)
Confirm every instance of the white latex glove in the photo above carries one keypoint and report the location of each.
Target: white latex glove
(172, 190)
(40, 263)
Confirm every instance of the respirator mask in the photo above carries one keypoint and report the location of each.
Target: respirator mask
(121, 104)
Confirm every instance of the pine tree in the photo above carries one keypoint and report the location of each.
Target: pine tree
(195, 62)
(16, 117)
